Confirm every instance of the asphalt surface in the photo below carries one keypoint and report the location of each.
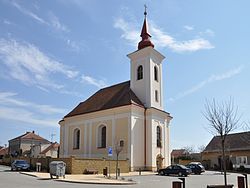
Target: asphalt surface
(10, 179)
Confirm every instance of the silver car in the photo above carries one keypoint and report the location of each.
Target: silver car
(20, 165)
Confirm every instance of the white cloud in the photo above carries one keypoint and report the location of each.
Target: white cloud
(160, 38)
(209, 32)
(129, 31)
(54, 22)
(21, 115)
(28, 13)
(26, 63)
(188, 27)
(93, 81)
(16, 109)
(7, 22)
(9, 98)
(211, 79)
(73, 45)
(191, 45)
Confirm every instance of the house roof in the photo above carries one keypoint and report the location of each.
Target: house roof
(4, 151)
(30, 135)
(54, 145)
(234, 142)
(107, 98)
(178, 152)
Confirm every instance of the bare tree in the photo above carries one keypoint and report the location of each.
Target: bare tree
(222, 118)
(118, 149)
(189, 149)
(201, 148)
(245, 137)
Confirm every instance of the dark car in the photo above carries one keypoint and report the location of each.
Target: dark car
(196, 168)
(179, 170)
(20, 165)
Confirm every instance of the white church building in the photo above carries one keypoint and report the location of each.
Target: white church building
(128, 114)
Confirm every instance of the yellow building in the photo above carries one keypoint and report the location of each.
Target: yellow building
(129, 115)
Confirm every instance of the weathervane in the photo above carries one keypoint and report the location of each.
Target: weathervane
(145, 12)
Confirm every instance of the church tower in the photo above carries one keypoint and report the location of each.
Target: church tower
(146, 82)
(146, 71)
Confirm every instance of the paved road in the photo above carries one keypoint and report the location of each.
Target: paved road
(10, 179)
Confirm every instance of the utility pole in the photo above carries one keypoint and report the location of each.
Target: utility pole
(52, 137)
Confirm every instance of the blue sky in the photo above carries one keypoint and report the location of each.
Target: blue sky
(54, 54)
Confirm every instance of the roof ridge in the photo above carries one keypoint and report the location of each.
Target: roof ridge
(114, 85)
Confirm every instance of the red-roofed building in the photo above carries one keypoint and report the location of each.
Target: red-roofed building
(3, 152)
(47, 150)
(22, 145)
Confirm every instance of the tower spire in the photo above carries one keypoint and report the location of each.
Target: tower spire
(145, 41)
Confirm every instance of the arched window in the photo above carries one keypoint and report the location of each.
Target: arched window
(156, 96)
(140, 72)
(158, 136)
(156, 73)
(102, 136)
(76, 137)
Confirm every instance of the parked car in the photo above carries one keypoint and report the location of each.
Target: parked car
(196, 168)
(20, 165)
(177, 169)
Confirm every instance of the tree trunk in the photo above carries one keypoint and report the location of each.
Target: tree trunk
(116, 168)
(224, 161)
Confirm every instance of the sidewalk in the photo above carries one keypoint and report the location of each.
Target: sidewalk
(90, 179)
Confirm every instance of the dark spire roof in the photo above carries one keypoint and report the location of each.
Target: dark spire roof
(145, 41)
(107, 98)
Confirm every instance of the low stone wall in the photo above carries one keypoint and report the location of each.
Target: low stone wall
(75, 165)
(79, 165)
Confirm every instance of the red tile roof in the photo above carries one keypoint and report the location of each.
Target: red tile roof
(29, 135)
(106, 98)
(4, 151)
(178, 152)
(52, 146)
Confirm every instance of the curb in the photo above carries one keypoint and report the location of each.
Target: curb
(100, 183)
(27, 174)
(84, 182)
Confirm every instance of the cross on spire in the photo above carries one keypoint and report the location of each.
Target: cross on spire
(145, 41)
(145, 11)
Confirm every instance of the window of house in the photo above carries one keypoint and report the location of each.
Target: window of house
(76, 137)
(158, 136)
(241, 160)
(121, 143)
(156, 96)
(156, 73)
(102, 136)
(140, 72)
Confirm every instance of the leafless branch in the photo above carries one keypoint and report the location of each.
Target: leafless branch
(222, 118)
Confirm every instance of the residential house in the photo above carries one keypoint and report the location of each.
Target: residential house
(237, 147)
(46, 150)
(3, 152)
(22, 145)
